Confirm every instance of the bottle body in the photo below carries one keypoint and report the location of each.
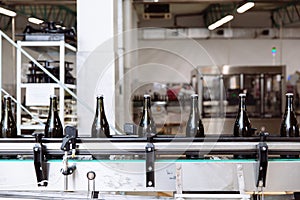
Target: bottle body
(289, 126)
(194, 126)
(8, 124)
(242, 126)
(100, 126)
(147, 124)
(53, 127)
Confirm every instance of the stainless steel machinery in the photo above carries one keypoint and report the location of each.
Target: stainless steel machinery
(155, 164)
(218, 88)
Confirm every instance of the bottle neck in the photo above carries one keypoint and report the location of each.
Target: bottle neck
(289, 103)
(147, 104)
(242, 104)
(194, 106)
(53, 105)
(7, 105)
(100, 106)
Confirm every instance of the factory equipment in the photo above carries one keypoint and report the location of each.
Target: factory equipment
(161, 165)
(219, 86)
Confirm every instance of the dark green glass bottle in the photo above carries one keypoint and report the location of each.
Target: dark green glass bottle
(242, 126)
(289, 124)
(8, 124)
(194, 126)
(53, 127)
(100, 126)
(147, 124)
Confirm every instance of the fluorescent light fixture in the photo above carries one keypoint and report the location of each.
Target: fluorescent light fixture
(35, 20)
(220, 22)
(245, 7)
(7, 12)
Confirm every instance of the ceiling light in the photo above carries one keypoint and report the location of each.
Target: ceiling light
(35, 20)
(245, 7)
(7, 12)
(220, 22)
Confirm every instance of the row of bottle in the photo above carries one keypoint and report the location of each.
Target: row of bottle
(288, 128)
(53, 126)
(242, 127)
(100, 127)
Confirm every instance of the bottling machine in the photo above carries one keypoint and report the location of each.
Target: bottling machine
(219, 86)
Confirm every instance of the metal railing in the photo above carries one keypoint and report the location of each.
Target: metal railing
(56, 80)
(34, 61)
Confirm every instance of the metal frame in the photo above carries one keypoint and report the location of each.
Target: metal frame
(163, 145)
(62, 46)
(175, 174)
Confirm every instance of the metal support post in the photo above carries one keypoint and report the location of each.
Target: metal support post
(150, 162)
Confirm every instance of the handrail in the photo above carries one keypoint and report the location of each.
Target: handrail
(45, 70)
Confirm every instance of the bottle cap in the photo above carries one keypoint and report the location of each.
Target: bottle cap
(194, 96)
(52, 96)
(289, 94)
(147, 96)
(100, 96)
(6, 96)
(242, 95)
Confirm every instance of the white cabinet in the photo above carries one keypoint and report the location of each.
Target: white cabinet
(58, 48)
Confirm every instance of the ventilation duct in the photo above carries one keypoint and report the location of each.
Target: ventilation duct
(203, 33)
(157, 11)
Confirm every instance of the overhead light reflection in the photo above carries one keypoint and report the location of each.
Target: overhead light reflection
(245, 7)
(35, 20)
(7, 12)
(220, 22)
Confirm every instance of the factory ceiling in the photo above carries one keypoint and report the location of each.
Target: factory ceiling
(169, 13)
(180, 13)
(62, 11)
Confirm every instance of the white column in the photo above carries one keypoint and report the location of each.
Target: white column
(18, 84)
(62, 79)
(95, 59)
(1, 71)
(120, 66)
(130, 36)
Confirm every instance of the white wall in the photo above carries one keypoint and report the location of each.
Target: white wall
(179, 57)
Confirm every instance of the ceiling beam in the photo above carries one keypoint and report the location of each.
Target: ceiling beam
(209, 1)
(185, 1)
(286, 15)
(216, 11)
(39, 2)
(55, 13)
(5, 22)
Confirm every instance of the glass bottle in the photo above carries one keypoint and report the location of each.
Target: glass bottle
(147, 124)
(8, 124)
(100, 126)
(53, 127)
(242, 125)
(289, 125)
(194, 126)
